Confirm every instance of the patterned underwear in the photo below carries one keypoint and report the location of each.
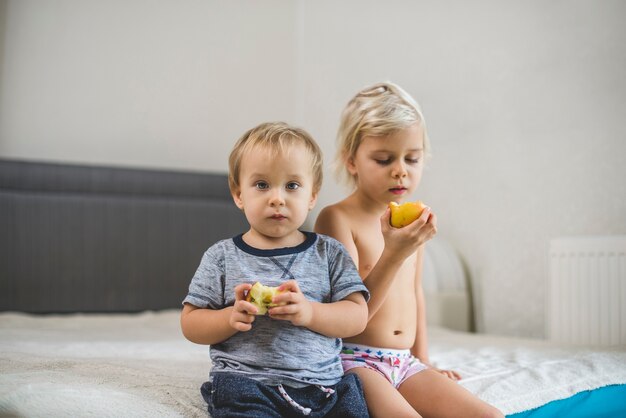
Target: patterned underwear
(395, 365)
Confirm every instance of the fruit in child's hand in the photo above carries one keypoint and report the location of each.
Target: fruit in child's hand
(404, 214)
(261, 296)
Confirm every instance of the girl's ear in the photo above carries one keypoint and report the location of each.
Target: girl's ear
(351, 166)
(236, 194)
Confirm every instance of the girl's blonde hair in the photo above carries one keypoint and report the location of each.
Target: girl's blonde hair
(278, 138)
(377, 110)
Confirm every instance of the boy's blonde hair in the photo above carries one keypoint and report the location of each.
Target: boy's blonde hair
(277, 137)
(377, 110)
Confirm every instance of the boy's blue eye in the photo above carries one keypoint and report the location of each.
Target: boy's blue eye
(261, 185)
(293, 186)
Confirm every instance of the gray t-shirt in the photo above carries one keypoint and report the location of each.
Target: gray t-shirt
(276, 351)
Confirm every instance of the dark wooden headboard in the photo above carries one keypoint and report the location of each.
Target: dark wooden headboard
(104, 239)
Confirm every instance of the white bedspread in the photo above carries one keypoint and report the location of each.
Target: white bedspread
(141, 366)
(520, 374)
(99, 365)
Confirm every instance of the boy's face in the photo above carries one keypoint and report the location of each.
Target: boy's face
(276, 194)
(389, 168)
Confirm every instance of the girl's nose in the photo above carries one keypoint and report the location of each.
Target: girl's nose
(399, 170)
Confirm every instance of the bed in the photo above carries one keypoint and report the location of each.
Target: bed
(95, 262)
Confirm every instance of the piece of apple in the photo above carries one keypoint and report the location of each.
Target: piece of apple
(404, 214)
(261, 296)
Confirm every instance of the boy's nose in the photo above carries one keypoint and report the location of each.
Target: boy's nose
(276, 198)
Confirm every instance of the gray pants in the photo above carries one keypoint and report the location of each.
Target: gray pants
(232, 395)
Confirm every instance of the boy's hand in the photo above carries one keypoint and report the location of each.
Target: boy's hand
(242, 315)
(402, 242)
(298, 310)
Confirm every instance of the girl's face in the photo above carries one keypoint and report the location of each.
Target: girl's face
(389, 168)
(276, 194)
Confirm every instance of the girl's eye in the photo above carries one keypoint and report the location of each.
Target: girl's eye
(261, 185)
(292, 186)
(383, 162)
(412, 160)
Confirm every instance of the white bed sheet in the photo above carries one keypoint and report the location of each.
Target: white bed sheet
(140, 365)
(517, 374)
(115, 365)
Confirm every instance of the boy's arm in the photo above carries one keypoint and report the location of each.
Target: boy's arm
(344, 318)
(212, 326)
(206, 326)
(341, 319)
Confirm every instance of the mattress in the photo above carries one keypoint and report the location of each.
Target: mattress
(140, 365)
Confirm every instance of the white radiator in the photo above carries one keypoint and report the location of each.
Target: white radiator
(587, 291)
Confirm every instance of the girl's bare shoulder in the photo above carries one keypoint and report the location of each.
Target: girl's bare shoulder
(334, 218)
(336, 209)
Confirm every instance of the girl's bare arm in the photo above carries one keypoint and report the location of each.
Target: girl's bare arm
(334, 222)
(420, 346)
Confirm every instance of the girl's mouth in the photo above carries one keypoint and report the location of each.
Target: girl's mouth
(398, 190)
(278, 217)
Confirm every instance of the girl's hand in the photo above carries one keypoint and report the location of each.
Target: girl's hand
(242, 315)
(450, 374)
(298, 309)
(402, 242)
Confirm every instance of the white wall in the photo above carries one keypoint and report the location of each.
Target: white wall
(524, 101)
(142, 83)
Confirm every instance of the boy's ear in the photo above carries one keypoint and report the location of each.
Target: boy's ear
(313, 200)
(236, 194)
